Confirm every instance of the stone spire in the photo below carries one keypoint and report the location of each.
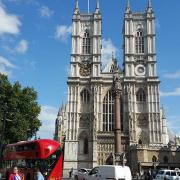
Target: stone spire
(149, 8)
(149, 4)
(97, 11)
(113, 55)
(128, 7)
(61, 109)
(76, 9)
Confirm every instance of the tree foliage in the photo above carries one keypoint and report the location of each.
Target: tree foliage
(19, 111)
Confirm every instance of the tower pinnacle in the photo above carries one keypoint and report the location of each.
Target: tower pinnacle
(128, 8)
(149, 4)
(97, 7)
(76, 10)
(97, 4)
(149, 8)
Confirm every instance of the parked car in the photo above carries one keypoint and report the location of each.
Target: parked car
(81, 173)
(110, 172)
(167, 174)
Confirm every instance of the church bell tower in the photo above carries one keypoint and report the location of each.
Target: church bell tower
(85, 69)
(141, 82)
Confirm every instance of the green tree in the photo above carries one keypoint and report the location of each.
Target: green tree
(19, 111)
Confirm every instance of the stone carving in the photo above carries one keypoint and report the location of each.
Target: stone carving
(142, 120)
(117, 87)
(142, 135)
(84, 121)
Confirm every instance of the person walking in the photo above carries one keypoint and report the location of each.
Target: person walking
(16, 175)
(71, 172)
(38, 174)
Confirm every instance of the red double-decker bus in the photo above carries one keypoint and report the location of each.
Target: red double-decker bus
(27, 155)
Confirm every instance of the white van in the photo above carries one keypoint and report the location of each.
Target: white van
(110, 172)
(167, 174)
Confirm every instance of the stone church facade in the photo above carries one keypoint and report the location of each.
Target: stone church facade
(85, 125)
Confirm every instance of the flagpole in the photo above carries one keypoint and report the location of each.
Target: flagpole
(88, 6)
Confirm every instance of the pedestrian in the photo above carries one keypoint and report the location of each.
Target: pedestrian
(126, 173)
(38, 174)
(70, 173)
(137, 175)
(16, 175)
(109, 160)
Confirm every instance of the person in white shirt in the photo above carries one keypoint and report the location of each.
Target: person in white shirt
(126, 170)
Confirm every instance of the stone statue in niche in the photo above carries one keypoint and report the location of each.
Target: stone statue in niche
(84, 122)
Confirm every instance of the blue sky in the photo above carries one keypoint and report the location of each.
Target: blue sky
(35, 48)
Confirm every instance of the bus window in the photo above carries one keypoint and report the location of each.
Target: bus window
(26, 147)
(21, 163)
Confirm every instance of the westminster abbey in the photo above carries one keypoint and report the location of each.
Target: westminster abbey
(85, 125)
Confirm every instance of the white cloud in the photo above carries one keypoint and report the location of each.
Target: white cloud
(173, 123)
(175, 75)
(48, 113)
(62, 32)
(45, 12)
(9, 23)
(22, 47)
(6, 66)
(108, 49)
(176, 92)
(47, 116)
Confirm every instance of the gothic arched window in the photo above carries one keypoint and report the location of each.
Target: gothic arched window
(141, 95)
(85, 149)
(86, 44)
(85, 96)
(108, 112)
(112, 69)
(139, 41)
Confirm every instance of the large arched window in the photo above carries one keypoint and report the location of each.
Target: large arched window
(139, 42)
(108, 112)
(85, 96)
(141, 95)
(86, 45)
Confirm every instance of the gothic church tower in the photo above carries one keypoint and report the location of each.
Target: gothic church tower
(80, 144)
(140, 77)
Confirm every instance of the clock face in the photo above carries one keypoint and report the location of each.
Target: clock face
(85, 68)
(140, 70)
